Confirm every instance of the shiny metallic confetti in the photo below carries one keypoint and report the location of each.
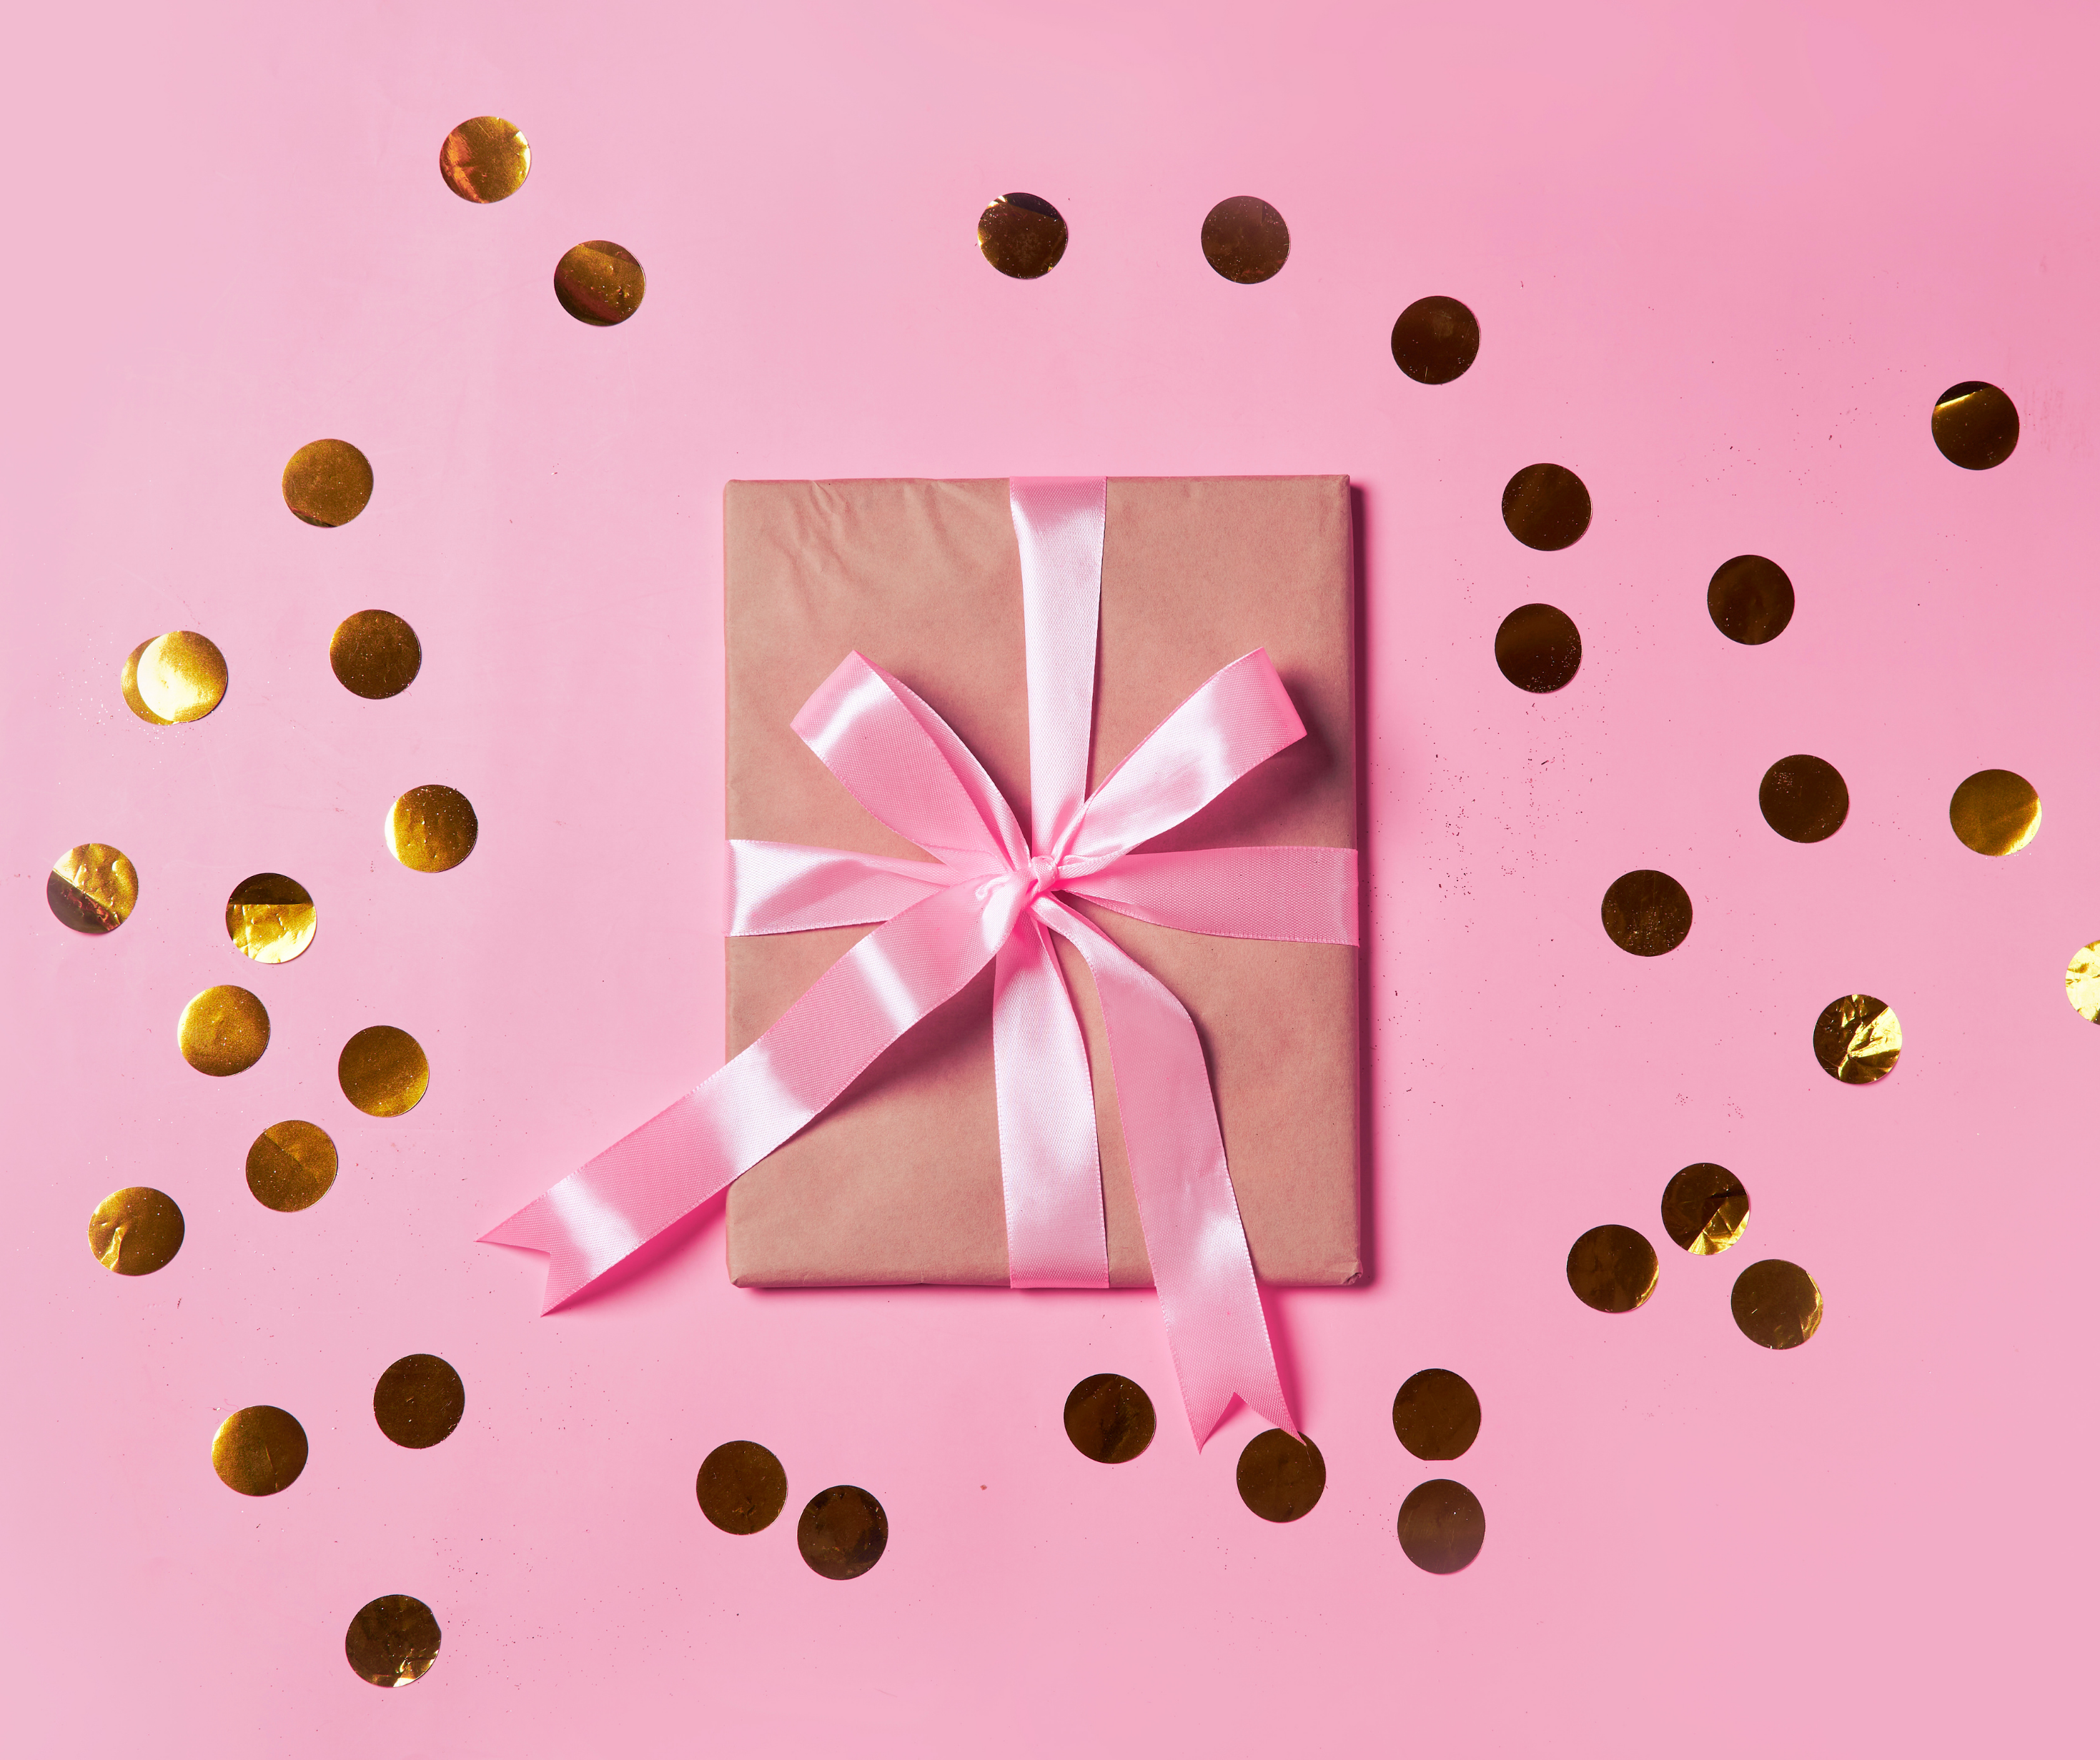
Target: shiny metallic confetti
(222, 1030)
(1704, 1208)
(271, 919)
(1612, 1269)
(1646, 912)
(2081, 981)
(1776, 1304)
(1975, 425)
(1538, 648)
(599, 283)
(1435, 340)
(484, 159)
(419, 1401)
(743, 1487)
(1858, 1039)
(1442, 1526)
(135, 1230)
(1244, 239)
(1110, 1418)
(383, 1071)
(259, 1450)
(1280, 1477)
(1022, 235)
(375, 654)
(393, 1641)
(432, 829)
(92, 888)
(1803, 799)
(291, 1165)
(327, 482)
(180, 676)
(1750, 600)
(1436, 1414)
(1995, 812)
(1546, 506)
(842, 1533)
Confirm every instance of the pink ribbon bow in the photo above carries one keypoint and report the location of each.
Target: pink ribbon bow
(991, 894)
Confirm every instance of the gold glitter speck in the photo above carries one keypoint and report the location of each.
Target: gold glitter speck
(1281, 1478)
(599, 283)
(419, 1401)
(432, 829)
(1612, 1269)
(1442, 1526)
(1776, 1304)
(271, 919)
(222, 1030)
(327, 482)
(92, 888)
(842, 1533)
(1110, 1418)
(1022, 235)
(1995, 812)
(259, 1450)
(1436, 1415)
(484, 159)
(1704, 1208)
(383, 1071)
(393, 1641)
(135, 1230)
(741, 1487)
(291, 1165)
(1244, 239)
(375, 654)
(1858, 1039)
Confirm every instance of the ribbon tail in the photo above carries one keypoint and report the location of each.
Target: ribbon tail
(1280, 892)
(1201, 1265)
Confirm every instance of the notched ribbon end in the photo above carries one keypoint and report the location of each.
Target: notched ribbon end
(534, 1230)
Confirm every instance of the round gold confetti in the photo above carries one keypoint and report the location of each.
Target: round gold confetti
(599, 283)
(1975, 425)
(1612, 1269)
(135, 1230)
(383, 1071)
(291, 1165)
(842, 1533)
(393, 1641)
(327, 482)
(222, 1030)
(271, 919)
(1436, 1414)
(419, 1401)
(1546, 506)
(1646, 912)
(432, 829)
(1022, 235)
(1750, 600)
(180, 676)
(484, 159)
(1110, 1418)
(1435, 340)
(1244, 239)
(1995, 812)
(1776, 1304)
(2081, 981)
(741, 1487)
(93, 887)
(1803, 799)
(1704, 1208)
(1280, 1477)
(1442, 1526)
(1858, 1039)
(375, 654)
(259, 1450)
(1538, 648)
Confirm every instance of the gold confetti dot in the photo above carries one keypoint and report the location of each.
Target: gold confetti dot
(419, 1401)
(375, 654)
(327, 482)
(1280, 1477)
(599, 283)
(383, 1071)
(135, 1230)
(1995, 812)
(1646, 912)
(1776, 1304)
(291, 1165)
(1110, 1418)
(271, 919)
(1442, 1526)
(1975, 425)
(1612, 1269)
(432, 829)
(1022, 235)
(743, 1487)
(1858, 1039)
(222, 1030)
(1704, 1208)
(180, 676)
(1750, 600)
(393, 1641)
(259, 1450)
(93, 887)
(1546, 506)
(1435, 340)
(1538, 648)
(484, 159)
(1436, 1414)
(1803, 799)
(842, 1533)
(1244, 239)
(2081, 981)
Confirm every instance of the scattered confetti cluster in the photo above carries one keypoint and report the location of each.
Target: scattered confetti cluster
(843, 1532)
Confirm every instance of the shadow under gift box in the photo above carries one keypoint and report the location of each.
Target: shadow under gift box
(899, 1181)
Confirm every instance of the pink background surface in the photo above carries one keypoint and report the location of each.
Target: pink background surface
(1724, 256)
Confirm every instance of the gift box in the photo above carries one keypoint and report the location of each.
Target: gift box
(899, 1180)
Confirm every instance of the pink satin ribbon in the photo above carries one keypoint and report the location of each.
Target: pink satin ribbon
(990, 894)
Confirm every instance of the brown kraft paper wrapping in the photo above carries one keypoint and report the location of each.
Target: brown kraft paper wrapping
(899, 1181)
